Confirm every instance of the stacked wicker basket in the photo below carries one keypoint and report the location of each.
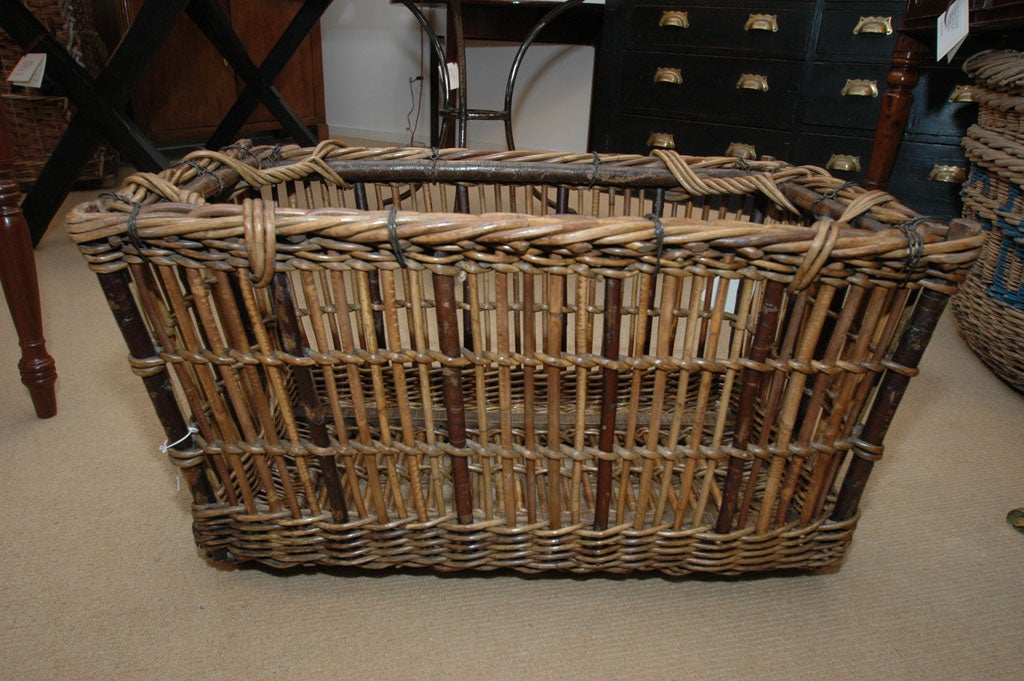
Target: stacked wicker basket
(37, 118)
(990, 307)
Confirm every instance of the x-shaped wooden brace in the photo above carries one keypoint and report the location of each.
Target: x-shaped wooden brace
(100, 102)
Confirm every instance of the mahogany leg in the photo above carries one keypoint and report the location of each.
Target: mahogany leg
(895, 108)
(21, 287)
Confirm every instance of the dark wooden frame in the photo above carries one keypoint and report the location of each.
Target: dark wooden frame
(100, 101)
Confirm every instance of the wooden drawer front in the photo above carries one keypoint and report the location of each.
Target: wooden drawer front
(718, 90)
(845, 95)
(932, 111)
(926, 178)
(723, 27)
(844, 157)
(634, 135)
(859, 31)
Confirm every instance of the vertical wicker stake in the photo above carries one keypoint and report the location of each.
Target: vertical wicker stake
(529, 385)
(291, 342)
(847, 311)
(158, 384)
(554, 333)
(454, 403)
(373, 276)
(609, 397)
(508, 474)
(919, 329)
(751, 383)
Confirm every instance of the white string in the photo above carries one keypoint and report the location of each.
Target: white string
(192, 430)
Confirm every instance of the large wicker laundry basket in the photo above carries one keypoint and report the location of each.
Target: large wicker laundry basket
(538, 361)
(990, 311)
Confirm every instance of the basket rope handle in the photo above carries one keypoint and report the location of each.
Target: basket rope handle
(827, 232)
(260, 239)
(695, 185)
(256, 176)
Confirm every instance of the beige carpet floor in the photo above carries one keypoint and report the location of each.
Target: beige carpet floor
(99, 578)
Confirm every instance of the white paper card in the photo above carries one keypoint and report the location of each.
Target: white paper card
(453, 76)
(951, 30)
(28, 72)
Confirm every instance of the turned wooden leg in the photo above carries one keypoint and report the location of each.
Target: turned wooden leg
(894, 110)
(21, 288)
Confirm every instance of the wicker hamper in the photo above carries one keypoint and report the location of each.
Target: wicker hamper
(539, 361)
(990, 309)
(36, 119)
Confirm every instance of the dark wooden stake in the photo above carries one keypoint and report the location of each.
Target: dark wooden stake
(919, 329)
(454, 403)
(751, 383)
(309, 401)
(158, 383)
(609, 397)
(915, 338)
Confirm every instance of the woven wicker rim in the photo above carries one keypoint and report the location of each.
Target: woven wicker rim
(997, 69)
(858, 233)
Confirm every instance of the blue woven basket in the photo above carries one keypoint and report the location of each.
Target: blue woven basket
(989, 308)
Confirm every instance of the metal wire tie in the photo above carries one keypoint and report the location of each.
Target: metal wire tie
(659, 236)
(396, 245)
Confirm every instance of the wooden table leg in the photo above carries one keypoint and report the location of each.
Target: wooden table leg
(21, 287)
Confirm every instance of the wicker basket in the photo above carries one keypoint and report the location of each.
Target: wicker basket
(990, 309)
(37, 120)
(396, 357)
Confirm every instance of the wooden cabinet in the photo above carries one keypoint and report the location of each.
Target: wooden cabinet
(798, 80)
(189, 87)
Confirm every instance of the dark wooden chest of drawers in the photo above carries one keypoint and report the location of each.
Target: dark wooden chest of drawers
(799, 80)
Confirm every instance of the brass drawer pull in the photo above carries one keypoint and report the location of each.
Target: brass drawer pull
(753, 81)
(762, 22)
(858, 87)
(668, 75)
(881, 25)
(962, 93)
(671, 18)
(661, 140)
(740, 150)
(947, 173)
(846, 163)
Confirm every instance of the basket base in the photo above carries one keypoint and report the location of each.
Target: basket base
(446, 546)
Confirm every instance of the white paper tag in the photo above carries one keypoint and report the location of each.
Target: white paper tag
(28, 72)
(951, 30)
(453, 76)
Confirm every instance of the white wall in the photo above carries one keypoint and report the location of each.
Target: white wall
(371, 48)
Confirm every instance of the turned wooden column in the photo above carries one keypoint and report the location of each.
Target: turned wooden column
(21, 287)
(895, 108)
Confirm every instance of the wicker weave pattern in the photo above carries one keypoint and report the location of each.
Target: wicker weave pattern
(990, 311)
(549, 377)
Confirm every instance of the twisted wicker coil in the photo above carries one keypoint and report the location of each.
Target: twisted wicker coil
(170, 217)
